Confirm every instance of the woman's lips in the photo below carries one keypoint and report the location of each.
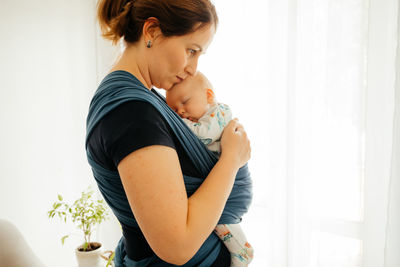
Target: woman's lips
(179, 79)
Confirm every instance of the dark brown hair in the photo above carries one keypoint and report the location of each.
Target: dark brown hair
(125, 18)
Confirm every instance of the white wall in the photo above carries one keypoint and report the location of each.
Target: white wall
(48, 73)
(392, 244)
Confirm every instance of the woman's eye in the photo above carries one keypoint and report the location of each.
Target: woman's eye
(192, 52)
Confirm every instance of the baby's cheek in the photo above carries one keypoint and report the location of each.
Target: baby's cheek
(201, 114)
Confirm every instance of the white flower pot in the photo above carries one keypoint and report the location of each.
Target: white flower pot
(89, 258)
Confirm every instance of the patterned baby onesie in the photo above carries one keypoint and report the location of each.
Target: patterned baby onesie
(209, 130)
(210, 126)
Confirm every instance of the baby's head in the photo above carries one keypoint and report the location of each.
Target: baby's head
(192, 97)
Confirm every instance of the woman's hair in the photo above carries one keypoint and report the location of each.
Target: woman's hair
(125, 18)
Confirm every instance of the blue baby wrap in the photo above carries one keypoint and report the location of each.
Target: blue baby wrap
(119, 87)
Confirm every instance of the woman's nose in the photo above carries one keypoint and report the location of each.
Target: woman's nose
(191, 67)
(189, 70)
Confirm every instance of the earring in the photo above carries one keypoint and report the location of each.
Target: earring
(148, 45)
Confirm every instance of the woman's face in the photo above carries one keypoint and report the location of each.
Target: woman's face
(175, 58)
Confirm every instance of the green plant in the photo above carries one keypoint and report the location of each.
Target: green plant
(110, 258)
(85, 212)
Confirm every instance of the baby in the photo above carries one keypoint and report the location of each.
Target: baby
(194, 101)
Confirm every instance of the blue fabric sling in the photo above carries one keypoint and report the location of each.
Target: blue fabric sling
(119, 87)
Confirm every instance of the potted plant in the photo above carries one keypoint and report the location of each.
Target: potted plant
(86, 213)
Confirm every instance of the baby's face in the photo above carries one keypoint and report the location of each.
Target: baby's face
(188, 98)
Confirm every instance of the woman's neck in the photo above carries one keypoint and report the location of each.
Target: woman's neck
(132, 62)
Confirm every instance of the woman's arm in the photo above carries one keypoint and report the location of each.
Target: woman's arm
(176, 226)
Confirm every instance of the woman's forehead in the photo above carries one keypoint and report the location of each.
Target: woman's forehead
(201, 37)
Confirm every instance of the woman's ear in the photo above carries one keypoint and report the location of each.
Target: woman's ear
(210, 96)
(151, 29)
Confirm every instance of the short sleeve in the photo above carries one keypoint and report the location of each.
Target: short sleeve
(127, 128)
(141, 125)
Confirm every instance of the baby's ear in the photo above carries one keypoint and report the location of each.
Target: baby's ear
(210, 95)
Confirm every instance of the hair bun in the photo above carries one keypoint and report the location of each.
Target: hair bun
(117, 19)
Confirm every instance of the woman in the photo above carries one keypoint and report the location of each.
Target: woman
(144, 160)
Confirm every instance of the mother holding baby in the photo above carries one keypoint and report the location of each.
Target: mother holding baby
(165, 187)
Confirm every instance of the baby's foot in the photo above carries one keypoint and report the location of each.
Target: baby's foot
(234, 239)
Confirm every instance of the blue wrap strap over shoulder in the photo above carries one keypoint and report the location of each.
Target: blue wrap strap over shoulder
(119, 87)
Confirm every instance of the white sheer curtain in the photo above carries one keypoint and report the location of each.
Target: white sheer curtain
(314, 84)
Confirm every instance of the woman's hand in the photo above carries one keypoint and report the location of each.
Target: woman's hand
(235, 146)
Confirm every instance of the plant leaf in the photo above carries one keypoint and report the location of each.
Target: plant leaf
(63, 239)
(110, 259)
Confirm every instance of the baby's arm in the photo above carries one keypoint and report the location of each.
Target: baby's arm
(206, 128)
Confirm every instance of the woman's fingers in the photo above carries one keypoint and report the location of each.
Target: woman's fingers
(235, 143)
(236, 125)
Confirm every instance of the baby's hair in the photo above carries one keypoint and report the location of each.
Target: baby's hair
(204, 80)
(125, 18)
(207, 86)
